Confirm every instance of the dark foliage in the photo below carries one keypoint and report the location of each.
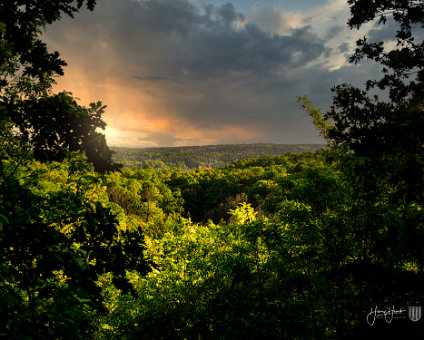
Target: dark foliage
(53, 124)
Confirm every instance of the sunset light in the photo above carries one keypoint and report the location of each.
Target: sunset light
(187, 73)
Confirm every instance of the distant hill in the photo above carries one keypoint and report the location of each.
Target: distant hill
(193, 157)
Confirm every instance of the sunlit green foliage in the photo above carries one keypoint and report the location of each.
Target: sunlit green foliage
(217, 281)
(59, 232)
(279, 247)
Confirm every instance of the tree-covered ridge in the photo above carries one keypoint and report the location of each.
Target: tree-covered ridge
(191, 157)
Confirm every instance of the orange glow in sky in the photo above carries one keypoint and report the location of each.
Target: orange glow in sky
(174, 72)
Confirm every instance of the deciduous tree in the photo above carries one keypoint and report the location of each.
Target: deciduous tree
(53, 124)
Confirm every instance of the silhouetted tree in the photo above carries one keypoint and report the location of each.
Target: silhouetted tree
(53, 124)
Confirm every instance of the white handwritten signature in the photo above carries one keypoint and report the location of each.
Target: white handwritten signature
(388, 314)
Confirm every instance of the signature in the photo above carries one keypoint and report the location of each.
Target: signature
(387, 314)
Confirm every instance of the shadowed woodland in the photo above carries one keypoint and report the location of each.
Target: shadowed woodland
(295, 246)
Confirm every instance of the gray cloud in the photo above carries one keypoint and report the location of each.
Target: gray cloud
(227, 73)
(227, 14)
(383, 32)
(387, 32)
(178, 36)
(334, 31)
(158, 78)
(161, 139)
(344, 47)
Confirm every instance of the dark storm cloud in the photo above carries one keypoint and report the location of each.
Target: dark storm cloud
(216, 53)
(207, 44)
(163, 34)
(180, 37)
(226, 13)
(158, 78)
(228, 72)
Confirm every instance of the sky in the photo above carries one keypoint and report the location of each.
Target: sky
(198, 72)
